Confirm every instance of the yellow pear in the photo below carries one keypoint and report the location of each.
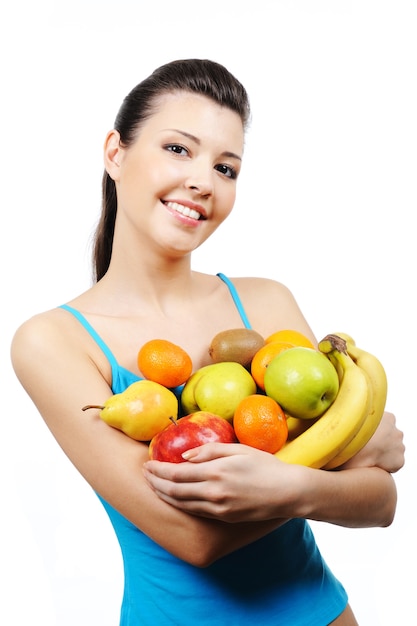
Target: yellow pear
(141, 411)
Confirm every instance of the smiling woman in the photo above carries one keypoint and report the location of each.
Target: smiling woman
(194, 536)
(176, 148)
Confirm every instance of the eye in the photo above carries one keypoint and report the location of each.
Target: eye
(227, 170)
(176, 149)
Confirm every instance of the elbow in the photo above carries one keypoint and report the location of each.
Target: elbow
(201, 550)
(201, 556)
(202, 563)
(388, 519)
(389, 516)
(389, 506)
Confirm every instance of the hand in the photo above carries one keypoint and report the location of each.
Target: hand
(385, 449)
(231, 482)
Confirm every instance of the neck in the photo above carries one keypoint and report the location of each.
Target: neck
(154, 286)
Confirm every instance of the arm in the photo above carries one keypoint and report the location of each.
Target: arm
(234, 482)
(385, 449)
(62, 371)
(363, 494)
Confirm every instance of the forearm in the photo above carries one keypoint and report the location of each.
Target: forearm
(215, 539)
(355, 498)
(237, 483)
(195, 539)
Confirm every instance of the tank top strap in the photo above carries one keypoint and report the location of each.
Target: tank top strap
(236, 299)
(80, 317)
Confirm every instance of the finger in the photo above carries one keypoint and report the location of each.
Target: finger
(173, 472)
(175, 493)
(198, 507)
(211, 451)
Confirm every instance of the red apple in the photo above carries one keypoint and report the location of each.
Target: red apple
(189, 432)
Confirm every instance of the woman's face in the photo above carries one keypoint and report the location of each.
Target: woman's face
(177, 182)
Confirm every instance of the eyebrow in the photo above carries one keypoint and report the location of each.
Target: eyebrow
(226, 153)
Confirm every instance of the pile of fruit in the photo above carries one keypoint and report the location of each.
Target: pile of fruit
(315, 406)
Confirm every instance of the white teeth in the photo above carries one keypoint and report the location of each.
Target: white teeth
(184, 210)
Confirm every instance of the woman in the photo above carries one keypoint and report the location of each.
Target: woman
(171, 166)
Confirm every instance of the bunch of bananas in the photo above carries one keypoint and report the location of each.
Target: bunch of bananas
(351, 420)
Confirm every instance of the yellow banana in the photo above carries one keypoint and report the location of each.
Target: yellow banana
(377, 380)
(339, 424)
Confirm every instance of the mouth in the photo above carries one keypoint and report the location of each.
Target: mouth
(187, 211)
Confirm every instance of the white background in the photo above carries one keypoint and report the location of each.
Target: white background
(326, 204)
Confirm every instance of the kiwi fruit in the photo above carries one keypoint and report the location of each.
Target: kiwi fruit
(236, 344)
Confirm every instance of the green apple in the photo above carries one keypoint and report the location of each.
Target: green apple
(303, 381)
(218, 388)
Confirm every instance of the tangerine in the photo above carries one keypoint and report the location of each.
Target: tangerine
(291, 336)
(263, 357)
(260, 423)
(164, 362)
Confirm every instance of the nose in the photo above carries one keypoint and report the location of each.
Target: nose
(200, 179)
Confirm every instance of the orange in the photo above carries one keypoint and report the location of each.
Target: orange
(260, 423)
(291, 336)
(263, 357)
(164, 362)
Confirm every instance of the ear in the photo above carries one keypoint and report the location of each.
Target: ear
(112, 154)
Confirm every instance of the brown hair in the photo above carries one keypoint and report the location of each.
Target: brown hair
(194, 75)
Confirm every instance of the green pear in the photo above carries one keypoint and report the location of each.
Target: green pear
(141, 411)
(188, 402)
(221, 387)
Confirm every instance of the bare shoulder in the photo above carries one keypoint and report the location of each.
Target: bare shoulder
(36, 334)
(270, 305)
(41, 332)
(52, 342)
(262, 288)
(44, 322)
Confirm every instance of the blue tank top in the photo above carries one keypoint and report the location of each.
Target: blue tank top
(279, 580)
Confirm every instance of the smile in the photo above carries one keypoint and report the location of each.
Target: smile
(184, 210)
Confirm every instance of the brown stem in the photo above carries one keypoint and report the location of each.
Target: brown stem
(336, 342)
(92, 406)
